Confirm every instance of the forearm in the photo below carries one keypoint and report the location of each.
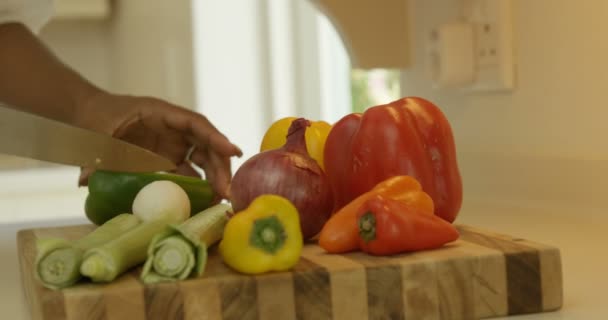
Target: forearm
(34, 80)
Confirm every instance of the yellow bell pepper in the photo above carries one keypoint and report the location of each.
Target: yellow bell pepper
(276, 136)
(264, 237)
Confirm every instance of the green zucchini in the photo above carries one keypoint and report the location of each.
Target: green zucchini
(112, 193)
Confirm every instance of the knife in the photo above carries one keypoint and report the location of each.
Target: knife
(31, 136)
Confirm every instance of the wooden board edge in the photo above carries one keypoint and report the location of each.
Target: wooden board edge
(550, 266)
(43, 303)
(505, 236)
(25, 247)
(552, 279)
(40, 300)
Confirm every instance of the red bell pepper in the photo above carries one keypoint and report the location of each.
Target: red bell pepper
(388, 226)
(410, 136)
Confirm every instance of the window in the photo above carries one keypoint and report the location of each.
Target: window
(374, 87)
(351, 90)
(272, 59)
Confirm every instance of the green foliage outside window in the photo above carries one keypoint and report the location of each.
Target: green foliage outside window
(374, 87)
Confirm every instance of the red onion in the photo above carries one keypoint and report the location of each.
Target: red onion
(291, 173)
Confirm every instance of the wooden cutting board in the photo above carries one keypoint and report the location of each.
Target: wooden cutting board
(482, 275)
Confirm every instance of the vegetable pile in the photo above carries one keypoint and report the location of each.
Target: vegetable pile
(112, 193)
(383, 182)
(316, 134)
(288, 171)
(158, 231)
(409, 136)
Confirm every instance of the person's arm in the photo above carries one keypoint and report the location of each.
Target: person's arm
(34, 80)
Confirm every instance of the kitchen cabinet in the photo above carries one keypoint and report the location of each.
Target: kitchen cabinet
(79, 9)
(376, 34)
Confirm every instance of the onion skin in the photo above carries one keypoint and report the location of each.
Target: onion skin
(291, 173)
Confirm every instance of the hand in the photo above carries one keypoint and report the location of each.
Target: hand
(166, 129)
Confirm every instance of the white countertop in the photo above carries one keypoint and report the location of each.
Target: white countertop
(12, 299)
(579, 238)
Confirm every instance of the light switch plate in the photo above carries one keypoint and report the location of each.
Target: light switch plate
(494, 54)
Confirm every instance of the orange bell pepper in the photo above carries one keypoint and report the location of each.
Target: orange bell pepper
(341, 233)
(388, 226)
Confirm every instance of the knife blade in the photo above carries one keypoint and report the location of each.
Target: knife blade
(31, 136)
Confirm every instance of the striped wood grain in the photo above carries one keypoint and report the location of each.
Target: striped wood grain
(481, 275)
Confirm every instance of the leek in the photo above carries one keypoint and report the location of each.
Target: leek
(58, 260)
(181, 251)
(106, 262)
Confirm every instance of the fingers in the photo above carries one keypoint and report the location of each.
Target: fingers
(174, 148)
(217, 169)
(186, 169)
(83, 179)
(220, 143)
(161, 116)
(203, 132)
(212, 149)
(168, 143)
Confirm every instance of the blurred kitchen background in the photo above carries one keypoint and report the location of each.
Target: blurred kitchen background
(539, 140)
(527, 111)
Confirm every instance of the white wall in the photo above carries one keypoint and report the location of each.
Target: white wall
(85, 45)
(152, 47)
(142, 48)
(546, 140)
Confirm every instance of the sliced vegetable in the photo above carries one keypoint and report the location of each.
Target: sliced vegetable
(288, 172)
(181, 251)
(112, 193)
(107, 261)
(264, 237)
(340, 233)
(388, 226)
(276, 136)
(58, 260)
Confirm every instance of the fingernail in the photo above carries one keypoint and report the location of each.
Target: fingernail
(239, 151)
(227, 192)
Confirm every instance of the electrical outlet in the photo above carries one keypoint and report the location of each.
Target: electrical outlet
(493, 28)
(486, 44)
